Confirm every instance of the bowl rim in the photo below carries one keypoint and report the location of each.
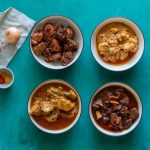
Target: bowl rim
(118, 17)
(13, 78)
(109, 133)
(60, 131)
(37, 59)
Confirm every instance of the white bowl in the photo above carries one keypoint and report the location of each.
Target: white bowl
(136, 57)
(111, 133)
(66, 22)
(8, 71)
(61, 130)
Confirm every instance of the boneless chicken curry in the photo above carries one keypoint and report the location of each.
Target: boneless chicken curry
(54, 106)
(116, 43)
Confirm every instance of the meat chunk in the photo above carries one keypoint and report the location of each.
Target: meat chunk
(55, 46)
(37, 37)
(41, 107)
(134, 113)
(64, 104)
(53, 57)
(97, 104)
(69, 33)
(67, 57)
(124, 100)
(124, 111)
(73, 45)
(39, 49)
(127, 123)
(115, 120)
(60, 33)
(49, 31)
(106, 119)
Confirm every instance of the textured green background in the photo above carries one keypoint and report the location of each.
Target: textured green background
(17, 131)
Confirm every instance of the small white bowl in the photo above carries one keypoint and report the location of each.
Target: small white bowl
(8, 71)
(121, 133)
(61, 130)
(59, 20)
(136, 57)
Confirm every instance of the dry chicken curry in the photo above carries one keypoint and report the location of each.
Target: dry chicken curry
(54, 106)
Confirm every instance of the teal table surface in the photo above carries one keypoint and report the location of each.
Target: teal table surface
(17, 131)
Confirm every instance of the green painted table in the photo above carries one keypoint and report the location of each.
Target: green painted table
(17, 131)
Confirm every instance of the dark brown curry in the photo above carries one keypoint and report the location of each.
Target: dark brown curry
(115, 108)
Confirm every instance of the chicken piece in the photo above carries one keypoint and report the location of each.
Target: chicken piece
(124, 35)
(119, 38)
(52, 117)
(112, 40)
(39, 49)
(134, 49)
(67, 57)
(114, 50)
(71, 94)
(41, 107)
(114, 30)
(64, 104)
(55, 46)
(129, 47)
(123, 55)
(69, 33)
(35, 108)
(57, 91)
(46, 107)
(53, 57)
(49, 31)
(60, 33)
(37, 37)
(103, 47)
(73, 45)
(70, 113)
(133, 40)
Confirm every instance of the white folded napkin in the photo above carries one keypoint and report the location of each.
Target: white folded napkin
(12, 18)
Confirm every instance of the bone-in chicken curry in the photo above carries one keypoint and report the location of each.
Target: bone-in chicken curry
(54, 106)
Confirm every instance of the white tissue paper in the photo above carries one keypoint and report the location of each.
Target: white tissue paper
(12, 18)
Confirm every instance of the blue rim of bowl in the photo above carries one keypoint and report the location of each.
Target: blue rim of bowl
(90, 108)
(118, 66)
(63, 17)
(62, 82)
(13, 78)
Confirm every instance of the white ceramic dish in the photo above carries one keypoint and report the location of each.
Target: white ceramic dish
(5, 86)
(66, 22)
(136, 57)
(115, 134)
(55, 131)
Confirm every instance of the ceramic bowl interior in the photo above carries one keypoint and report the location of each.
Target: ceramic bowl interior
(59, 20)
(136, 57)
(8, 71)
(110, 133)
(55, 131)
